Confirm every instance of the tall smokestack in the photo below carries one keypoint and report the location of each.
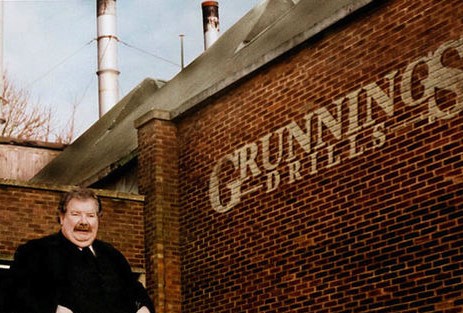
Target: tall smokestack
(108, 73)
(210, 22)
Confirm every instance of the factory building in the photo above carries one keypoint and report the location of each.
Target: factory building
(310, 160)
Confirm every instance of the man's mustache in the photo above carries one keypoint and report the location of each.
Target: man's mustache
(82, 227)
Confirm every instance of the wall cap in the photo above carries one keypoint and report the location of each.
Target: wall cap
(154, 114)
(63, 188)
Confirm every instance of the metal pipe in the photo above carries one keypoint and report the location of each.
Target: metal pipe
(211, 29)
(182, 56)
(108, 73)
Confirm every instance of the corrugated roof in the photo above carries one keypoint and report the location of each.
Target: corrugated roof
(270, 29)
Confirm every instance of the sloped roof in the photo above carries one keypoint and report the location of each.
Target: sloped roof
(270, 29)
(107, 144)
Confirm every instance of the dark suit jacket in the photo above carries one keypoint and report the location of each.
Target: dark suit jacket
(52, 271)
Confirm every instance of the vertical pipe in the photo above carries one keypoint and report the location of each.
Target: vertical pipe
(182, 57)
(108, 73)
(211, 30)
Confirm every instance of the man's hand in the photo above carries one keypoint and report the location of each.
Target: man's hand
(62, 309)
(143, 309)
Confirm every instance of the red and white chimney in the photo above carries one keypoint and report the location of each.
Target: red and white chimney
(210, 22)
(108, 73)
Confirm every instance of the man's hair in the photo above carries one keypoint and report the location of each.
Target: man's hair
(81, 194)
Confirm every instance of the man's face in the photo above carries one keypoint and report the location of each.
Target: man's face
(80, 222)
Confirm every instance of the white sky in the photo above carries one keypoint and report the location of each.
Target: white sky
(50, 51)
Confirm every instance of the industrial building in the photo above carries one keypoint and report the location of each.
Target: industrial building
(310, 160)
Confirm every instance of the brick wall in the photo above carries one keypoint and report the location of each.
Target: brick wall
(158, 180)
(30, 211)
(360, 207)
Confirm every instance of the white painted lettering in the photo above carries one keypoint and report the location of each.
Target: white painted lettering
(379, 137)
(420, 84)
(333, 124)
(268, 166)
(294, 169)
(332, 159)
(304, 139)
(214, 187)
(273, 181)
(353, 151)
(445, 78)
(384, 100)
(247, 159)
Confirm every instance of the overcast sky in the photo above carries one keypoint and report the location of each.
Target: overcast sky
(50, 47)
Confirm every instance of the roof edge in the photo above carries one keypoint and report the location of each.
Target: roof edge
(65, 188)
(104, 172)
(32, 143)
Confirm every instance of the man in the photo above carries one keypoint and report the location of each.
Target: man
(72, 271)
